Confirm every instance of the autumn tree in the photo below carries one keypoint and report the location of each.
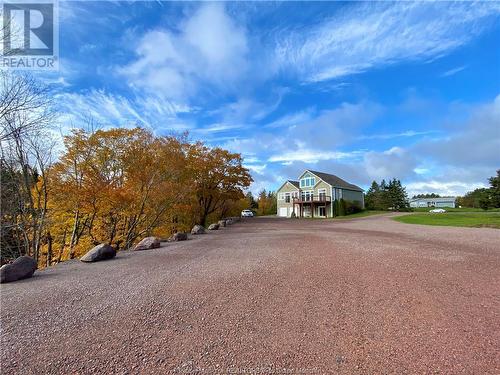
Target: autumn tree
(218, 176)
(266, 203)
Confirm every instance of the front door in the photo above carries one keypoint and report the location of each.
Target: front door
(322, 211)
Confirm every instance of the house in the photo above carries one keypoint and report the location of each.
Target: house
(433, 202)
(314, 195)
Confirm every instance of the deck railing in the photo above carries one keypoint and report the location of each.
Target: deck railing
(318, 198)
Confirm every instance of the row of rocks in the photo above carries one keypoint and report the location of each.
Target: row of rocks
(223, 223)
(25, 266)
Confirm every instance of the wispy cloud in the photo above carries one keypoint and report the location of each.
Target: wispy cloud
(367, 36)
(208, 51)
(453, 71)
(407, 133)
(292, 119)
(116, 110)
(313, 156)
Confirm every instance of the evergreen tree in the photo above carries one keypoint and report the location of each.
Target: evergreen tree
(372, 199)
(398, 199)
(495, 190)
(252, 203)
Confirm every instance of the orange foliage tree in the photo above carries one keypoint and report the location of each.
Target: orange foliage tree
(116, 186)
(218, 180)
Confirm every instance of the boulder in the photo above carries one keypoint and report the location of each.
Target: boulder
(229, 221)
(179, 236)
(22, 268)
(213, 227)
(148, 243)
(198, 229)
(222, 223)
(98, 253)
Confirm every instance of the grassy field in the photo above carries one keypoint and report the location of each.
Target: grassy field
(463, 209)
(462, 218)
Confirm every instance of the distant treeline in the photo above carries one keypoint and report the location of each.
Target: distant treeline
(484, 198)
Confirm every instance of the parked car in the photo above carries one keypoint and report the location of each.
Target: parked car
(246, 213)
(437, 211)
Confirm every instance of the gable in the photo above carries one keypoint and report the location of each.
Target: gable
(309, 180)
(287, 186)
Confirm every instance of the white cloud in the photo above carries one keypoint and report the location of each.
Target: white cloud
(118, 111)
(449, 188)
(313, 156)
(209, 47)
(256, 167)
(474, 142)
(453, 71)
(407, 133)
(293, 119)
(395, 162)
(366, 36)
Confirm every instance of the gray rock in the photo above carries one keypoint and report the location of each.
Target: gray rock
(229, 221)
(179, 236)
(198, 229)
(148, 243)
(98, 253)
(213, 227)
(222, 223)
(22, 268)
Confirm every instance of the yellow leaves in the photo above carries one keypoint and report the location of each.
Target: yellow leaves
(114, 185)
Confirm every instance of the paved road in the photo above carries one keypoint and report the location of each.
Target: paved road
(268, 296)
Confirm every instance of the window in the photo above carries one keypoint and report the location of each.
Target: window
(307, 196)
(322, 194)
(308, 182)
(287, 197)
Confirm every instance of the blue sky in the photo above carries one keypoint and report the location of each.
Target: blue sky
(362, 90)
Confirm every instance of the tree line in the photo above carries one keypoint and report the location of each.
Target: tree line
(110, 186)
(387, 196)
(265, 204)
(484, 198)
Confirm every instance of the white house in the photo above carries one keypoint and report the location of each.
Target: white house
(433, 202)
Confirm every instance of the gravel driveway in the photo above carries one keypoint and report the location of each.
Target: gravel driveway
(268, 295)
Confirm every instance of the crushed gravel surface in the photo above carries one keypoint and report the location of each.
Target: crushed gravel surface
(268, 295)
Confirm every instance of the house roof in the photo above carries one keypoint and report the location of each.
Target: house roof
(440, 199)
(335, 181)
(294, 183)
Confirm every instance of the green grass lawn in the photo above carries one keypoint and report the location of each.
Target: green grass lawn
(489, 219)
(463, 209)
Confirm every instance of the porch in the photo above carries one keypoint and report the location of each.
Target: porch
(312, 205)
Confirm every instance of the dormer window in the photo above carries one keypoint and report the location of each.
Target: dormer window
(307, 182)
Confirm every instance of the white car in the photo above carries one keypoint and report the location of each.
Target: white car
(437, 211)
(246, 213)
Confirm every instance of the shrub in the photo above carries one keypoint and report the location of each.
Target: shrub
(352, 207)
